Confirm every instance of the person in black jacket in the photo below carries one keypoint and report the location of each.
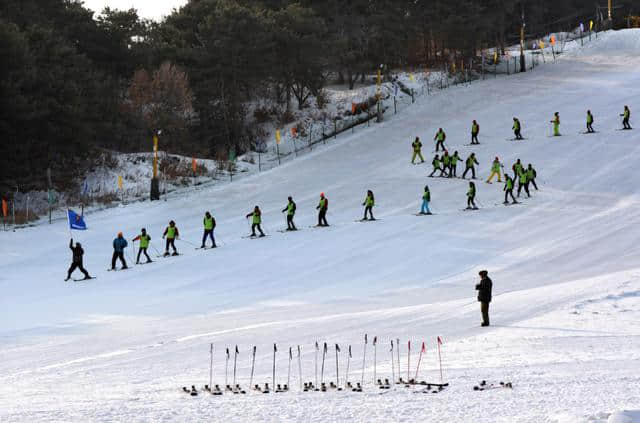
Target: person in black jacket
(484, 295)
(78, 252)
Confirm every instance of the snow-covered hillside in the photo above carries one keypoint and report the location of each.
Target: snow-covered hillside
(566, 307)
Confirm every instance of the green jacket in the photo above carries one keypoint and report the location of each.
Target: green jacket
(627, 114)
(256, 217)
(517, 167)
(471, 192)
(291, 208)
(475, 128)
(516, 125)
(144, 240)
(209, 223)
(426, 196)
(436, 163)
(508, 184)
(454, 159)
(446, 160)
(323, 204)
(522, 175)
(369, 202)
(417, 145)
(440, 136)
(531, 174)
(589, 118)
(171, 232)
(495, 167)
(471, 160)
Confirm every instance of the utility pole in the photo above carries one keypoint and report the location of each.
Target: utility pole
(610, 6)
(523, 66)
(155, 183)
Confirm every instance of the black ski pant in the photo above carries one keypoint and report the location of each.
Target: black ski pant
(368, 209)
(625, 123)
(254, 227)
(508, 193)
(208, 233)
(474, 138)
(590, 128)
(470, 202)
(290, 224)
(435, 169)
(473, 172)
(438, 145)
(452, 171)
(533, 181)
(77, 265)
(322, 218)
(526, 189)
(170, 242)
(118, 255)
(484, 309)
(140, 251)
(517, 134)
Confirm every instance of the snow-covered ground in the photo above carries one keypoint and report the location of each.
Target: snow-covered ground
(566, 310)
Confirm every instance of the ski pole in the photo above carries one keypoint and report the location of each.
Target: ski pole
(187, 242)
(393, 370)
(364, 357)
(226, 370)
(375, 357)
(346, 379)
(408, 358)
(440, 357)
(299, 368)
(316, 363)
(235, 360)
(210, 365)
(275, 349)
(337, 368)
(289, 371)
(422, 350)
(398, 351)
(253, 365)
(324, 353)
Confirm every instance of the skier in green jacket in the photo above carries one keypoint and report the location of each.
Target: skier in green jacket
(523, 183)
(368, 204)
(439, 139)
(556, 124)
(453, 164)
(323, 207)
(475, 130)
(531, 176)
(495, 170)
(469, 166)
(508, 189)
(436, 166)
(446, 163)
(426, 199)
(291, 211)
(417, 151)
(517, 168)
(471, 196)
(256, 220)
(517, 128)
(589, 122)
(209, 225)
(626, 115)
(144, 239)
(171, 233)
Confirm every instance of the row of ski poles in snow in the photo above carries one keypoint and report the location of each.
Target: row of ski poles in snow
(395, 360)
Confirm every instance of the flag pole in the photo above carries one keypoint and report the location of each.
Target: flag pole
(440, 357)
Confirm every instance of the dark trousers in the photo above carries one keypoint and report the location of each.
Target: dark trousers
(473, 172)
(452, 170)
(77, 265)
(438, 145)
(590, 128)
(470, 202)
(484, 309)
(118, 255)
(290, 224)
(322, 218)
(625, 123)
(526, 189)
(370, 210)
(508, 193)
(474, 138)
(170, 242)
(140, 251)
(517, 134)
(254, 227)
(533, 181)
(208, 233)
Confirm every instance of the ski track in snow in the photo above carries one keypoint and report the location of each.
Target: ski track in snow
(566, 309)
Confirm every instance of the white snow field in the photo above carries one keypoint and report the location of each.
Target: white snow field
(565, 266)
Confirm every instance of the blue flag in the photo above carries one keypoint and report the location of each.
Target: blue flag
(76, 221)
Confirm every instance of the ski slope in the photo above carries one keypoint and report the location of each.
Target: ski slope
(566, 308)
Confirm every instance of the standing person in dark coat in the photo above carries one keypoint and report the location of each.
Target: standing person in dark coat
(484, 295)
(78, 252)
(119, 244)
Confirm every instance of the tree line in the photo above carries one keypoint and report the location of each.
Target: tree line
(74, 84)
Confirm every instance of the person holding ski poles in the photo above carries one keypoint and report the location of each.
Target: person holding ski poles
(471, 196)
(323, 207)
(417, 151)
(495, 170)
(469, 166)
(453, 165)
(446, 163)
(556, 124)
(144, 239)
(256, 214)
(439, 139)
(369, 202)
(436, 166)
(76, 262)
(119, 244)
(209, 225)
(291, 211)
(517, 127)
(517, 168)
(508, 189)
(589, 122)
(426, 199)
(531, 176)
(171, 233)
(523, 183)
(475, 130)
(625, 118)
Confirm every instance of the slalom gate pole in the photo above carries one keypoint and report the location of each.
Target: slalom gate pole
(289, 371)
(226, 370)
(253, 366)
(210, 365)
(419, 360)
(337, 368)
(324, 353)
(235, 361)
(316, 363)
(375, 357)
(275, 349)
(393, 370)
(398, 354)
(299, 367)
(440, 357)
(346, 378)
(408, 359)
(364, 358)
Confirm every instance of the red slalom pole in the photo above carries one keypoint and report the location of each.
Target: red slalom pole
(408, 359)
(422, 350)
(440, 357)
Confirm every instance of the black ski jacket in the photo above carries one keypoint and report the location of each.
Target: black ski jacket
(78, 252)
(484, 290)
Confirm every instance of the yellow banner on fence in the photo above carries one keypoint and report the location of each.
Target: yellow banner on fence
(120, 181)
(495, 56)
(411, 78)
(590, 25)
(277, 136)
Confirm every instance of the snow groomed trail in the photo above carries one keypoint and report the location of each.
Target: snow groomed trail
(566, 309)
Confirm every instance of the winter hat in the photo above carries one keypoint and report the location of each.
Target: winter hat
(483, 273)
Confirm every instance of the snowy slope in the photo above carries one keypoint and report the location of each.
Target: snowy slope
(564, 264)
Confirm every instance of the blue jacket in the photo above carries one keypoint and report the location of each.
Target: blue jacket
(119, 245)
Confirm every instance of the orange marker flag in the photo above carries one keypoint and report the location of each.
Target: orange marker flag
(353, 108)
(194, 165)
(553, 40)
(294, 131)
(5, 208)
